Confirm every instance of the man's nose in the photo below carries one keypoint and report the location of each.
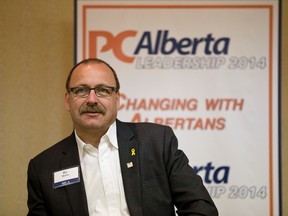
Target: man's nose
(92, 97)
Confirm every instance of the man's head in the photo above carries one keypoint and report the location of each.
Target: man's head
(92, 96)
(90, 61)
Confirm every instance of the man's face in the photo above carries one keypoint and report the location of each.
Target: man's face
(92, 75)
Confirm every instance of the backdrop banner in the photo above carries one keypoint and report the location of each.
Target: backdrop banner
(209, 70)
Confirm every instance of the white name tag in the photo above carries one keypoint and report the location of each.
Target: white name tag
(66, 177)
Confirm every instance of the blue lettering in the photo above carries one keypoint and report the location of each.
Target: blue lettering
(171, 41)
(224, 42)
(145, 43)
(184, 43)
(211, 174)
(166, 45)
(221, 175)
(196, 42)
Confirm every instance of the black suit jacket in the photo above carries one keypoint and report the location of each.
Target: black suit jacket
(159, 179)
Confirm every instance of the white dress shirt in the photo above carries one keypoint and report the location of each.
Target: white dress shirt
(102, 176)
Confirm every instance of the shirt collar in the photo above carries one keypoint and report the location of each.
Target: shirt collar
(111, 134)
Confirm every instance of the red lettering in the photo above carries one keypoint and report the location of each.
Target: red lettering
(112, 43)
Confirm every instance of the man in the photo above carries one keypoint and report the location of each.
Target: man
(108, 167)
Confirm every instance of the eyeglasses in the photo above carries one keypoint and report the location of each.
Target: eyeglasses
(100, 91)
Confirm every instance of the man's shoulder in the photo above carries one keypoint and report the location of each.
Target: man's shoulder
(142, 125)
(57, 149)
(147, 128)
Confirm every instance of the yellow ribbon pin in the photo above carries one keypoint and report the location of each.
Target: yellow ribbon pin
(133, 152)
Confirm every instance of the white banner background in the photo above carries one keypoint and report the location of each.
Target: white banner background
(227, 83)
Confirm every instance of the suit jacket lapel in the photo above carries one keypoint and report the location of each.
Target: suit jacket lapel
(75, 192)
(128, 153)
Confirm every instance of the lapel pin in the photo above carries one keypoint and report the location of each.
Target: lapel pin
(129, 165)
(133, 152)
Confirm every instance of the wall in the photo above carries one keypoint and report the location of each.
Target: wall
(36, 49)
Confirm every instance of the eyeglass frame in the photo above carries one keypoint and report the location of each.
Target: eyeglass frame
(113, 89)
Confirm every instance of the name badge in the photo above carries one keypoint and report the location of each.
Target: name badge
(66, 177)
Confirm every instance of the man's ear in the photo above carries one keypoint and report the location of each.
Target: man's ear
(118, 100)
(67, 100)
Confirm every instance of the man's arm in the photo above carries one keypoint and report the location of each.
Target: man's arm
(36, 204)
(188, 192)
